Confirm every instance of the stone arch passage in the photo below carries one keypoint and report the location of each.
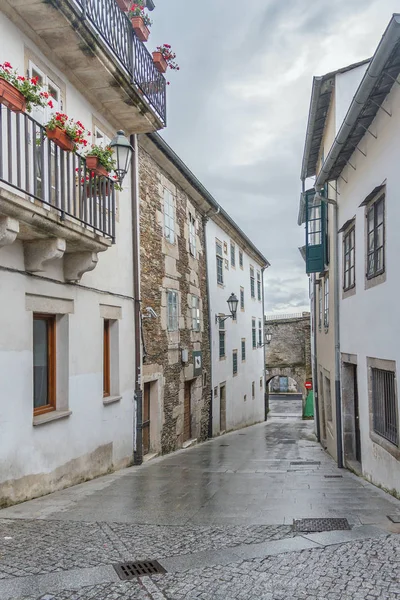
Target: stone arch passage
(289, 352)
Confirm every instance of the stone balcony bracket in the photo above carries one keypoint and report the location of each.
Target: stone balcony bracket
(78, 263)
(41, 252)
(9, 229)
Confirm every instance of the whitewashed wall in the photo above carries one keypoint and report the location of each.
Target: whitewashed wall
(239, 412)
(95, 437)
(370, 319)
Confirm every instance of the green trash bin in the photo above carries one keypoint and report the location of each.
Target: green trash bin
(308, 412)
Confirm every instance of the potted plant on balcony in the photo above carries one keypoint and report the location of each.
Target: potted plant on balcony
(20, 93)
(66, 133)
(140, 21)
(100, 161)
(164, 58)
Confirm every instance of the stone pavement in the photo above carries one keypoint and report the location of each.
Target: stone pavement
(218, 517)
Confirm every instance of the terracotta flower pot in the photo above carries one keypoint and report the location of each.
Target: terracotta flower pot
(93, 165)
(160, 62)
(11, 97)
(124, 4)
(61, 139)
(141, 30)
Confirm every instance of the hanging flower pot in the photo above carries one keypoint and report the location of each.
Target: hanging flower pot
(159, 62)
(61, 139)
(11, 97)
(93, 165)
(139, 27)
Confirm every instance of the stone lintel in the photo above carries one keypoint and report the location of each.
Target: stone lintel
(40, 252)
(78, 263)
(9, 229)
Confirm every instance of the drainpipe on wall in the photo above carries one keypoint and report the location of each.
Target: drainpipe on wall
(210, 412)
(314, 359)
(266, 395)
(138, 446)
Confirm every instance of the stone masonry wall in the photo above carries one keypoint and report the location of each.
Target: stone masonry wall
(166, 266)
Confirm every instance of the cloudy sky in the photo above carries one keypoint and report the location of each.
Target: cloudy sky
(237, 109)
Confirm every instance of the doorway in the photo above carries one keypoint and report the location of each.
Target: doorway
(146, 418)
(187, 425)
(222, 407)
(352, 433)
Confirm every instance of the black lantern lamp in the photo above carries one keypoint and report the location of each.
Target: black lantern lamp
(268, 338)
(122, 153)
(233, 304)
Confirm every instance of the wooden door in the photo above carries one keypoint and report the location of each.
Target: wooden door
(146, 418)
(187, 429)
(356, 417)
(222, 408)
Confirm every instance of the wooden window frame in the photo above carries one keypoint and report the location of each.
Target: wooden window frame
(172, 320)
(235, 359)
(254, 333)
(372, 210)
(106, 359)
(252, 283)
(259, 286)
(241, 258)
(233, 254)
(349, 266)
(241, 298)
(51, 363)
(220, 262)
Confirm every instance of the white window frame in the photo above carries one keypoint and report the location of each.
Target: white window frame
(172, 315)
(252, 283)
(195, 313)
(169, 216)
(233, 254)
(219, 262)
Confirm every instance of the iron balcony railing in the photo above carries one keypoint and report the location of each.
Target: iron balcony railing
(34, 165)
(115, 29)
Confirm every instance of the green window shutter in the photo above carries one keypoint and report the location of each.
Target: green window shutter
(315, 233)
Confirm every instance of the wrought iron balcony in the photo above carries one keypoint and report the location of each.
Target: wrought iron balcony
(115, 29)
(35, 169)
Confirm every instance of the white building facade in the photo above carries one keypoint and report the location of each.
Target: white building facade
(237, 351)
(359, 173)
(67, 355)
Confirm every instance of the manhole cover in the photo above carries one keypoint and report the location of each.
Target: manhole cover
(333, 476)
(394, 518)
(305, 462)
(287, 442)
(130, 570)
(318, 525)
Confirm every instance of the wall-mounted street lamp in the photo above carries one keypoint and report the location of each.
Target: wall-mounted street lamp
(233, 304)
(268, 338)
(123, 153)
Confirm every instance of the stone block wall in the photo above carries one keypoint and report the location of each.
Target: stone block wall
(166, 266)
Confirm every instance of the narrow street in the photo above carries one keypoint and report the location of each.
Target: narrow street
(219, 518)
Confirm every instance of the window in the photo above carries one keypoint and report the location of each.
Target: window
(261, 383)
(220, 263)
(254, 333)
(253, 389)
(384, 405)
(259, 333)
(241, 259)
(100, 138)
(258, 285)
(241, 298)
(172, 311)
(328, 399)
(169, 216)
(376, 238)
(42, 114)
(44, 363)
(106, 359)
(195, 313)
(252, 283)
(192, 235)
(326, 303)
(234, 362)
(243, 350)
(349, 277)
(233, 254)
(320, 305)
(222, 339)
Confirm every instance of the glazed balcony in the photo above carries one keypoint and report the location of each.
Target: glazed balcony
(93, 43)
(50, 201)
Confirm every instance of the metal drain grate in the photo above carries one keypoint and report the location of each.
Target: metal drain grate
(130, 570)
(305, 462)
(287, 442)
(333, 476)
(224, 445)
(319, 525)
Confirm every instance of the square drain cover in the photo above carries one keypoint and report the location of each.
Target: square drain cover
(130, 570)
(305, 462)
(394, 518)
(319, 525)
(333, 476)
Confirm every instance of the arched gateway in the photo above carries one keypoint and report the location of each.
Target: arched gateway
(289, 352)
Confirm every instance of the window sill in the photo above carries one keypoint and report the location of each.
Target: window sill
(111, 400)
(54, 415)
